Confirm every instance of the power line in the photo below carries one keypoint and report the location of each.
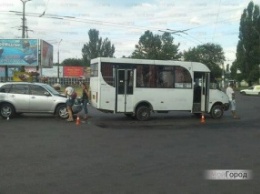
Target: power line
(106, 23)
(98, 22)
(81, 20)
(70, 18)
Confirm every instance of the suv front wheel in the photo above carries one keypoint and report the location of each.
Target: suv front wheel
(62, 112)
(7, 110)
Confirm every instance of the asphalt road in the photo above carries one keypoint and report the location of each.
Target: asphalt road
(115, 154)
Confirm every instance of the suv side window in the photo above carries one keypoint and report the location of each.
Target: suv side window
(19, 89)
(37, 90)
(5, 88)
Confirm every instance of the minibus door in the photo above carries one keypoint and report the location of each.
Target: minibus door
(201, 92)
(205, 92)
(124, 90)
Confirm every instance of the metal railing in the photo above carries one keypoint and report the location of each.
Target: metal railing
(53, 80)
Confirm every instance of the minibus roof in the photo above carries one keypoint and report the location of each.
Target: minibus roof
(195, 66)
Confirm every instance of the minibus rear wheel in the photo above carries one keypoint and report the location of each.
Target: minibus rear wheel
(143, 113)
(216, 111)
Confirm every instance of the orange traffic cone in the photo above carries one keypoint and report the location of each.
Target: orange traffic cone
(77, 120)
(202, 120)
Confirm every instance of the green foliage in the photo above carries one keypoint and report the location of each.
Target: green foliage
(72, 62)
(209, 54)
(236, 73)
(254, 74)
(158, 47)
(248, 47)
(96, 47)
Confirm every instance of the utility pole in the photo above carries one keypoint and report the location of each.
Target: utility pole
(223, 76)
(59, 61)
(23, 25)
(259, 74)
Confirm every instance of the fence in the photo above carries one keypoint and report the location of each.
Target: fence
(53, 80)
(3, 79)
(65, 81)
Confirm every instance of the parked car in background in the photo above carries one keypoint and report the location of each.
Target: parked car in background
(24, 97)
(253, 90)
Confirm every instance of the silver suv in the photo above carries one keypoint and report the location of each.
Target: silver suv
(23, 97)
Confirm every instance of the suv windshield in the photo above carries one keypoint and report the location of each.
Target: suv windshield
(52, 90)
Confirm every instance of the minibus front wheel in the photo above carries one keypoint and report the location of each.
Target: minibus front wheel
(216, 111)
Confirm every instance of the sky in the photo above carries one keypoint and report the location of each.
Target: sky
(65, 23)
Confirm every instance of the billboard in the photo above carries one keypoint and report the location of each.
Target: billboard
(73, 71)
(52, 72)
(18, 52)
(46, 54)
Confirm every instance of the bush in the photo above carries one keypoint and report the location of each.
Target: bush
(57, 86)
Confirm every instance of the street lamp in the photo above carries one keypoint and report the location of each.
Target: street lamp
(23, 26)
(59, 61)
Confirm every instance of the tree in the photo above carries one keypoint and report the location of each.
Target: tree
(209, 54)
(96, 47)
(152, 46)
(248, 47)
(72, 62)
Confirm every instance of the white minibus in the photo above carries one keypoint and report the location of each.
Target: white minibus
(138, 87)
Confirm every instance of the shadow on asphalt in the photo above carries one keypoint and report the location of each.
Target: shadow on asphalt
(163, 122)
(172, 120)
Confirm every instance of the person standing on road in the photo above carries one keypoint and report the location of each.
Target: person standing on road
(71, 95)
(232, 102)
(85, 100)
